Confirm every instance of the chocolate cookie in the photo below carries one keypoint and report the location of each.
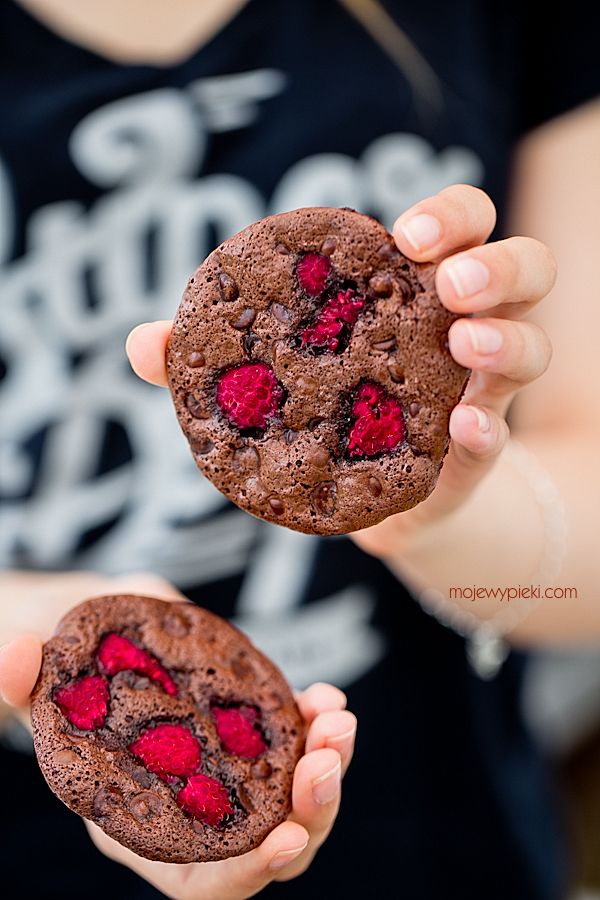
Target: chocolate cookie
(163, 724)
(310, 372)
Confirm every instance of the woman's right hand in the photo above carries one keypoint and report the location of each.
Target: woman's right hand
(40, 600)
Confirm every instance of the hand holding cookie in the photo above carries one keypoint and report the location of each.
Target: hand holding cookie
(164, 725)
(316, 364)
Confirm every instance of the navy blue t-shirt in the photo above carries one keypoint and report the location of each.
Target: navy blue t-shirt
(115, 181)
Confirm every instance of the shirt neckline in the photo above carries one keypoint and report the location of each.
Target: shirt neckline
(50, 34)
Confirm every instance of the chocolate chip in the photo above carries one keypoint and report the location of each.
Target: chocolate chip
(229, 289)
(106, 800)
(261, 769)
(272, 702)
(396, 372)
(414, 409)
(245, 318)
(195, 359)
(195, 407)
(281, 313)
(64, 757)
(145, 805)
(281, 248)
(385, 346)
(381, 284)
(277, 348)
(290, 436)
(250, 341)
(307, 385)
(176, 625)
(328, 246)
(245, 459)
(375, 486)
(315, 422)
(240, 667)
(318, 457)
(323, 497)
(245, 798)
(202, 446)
(389, 251)
(276, 505)
(141, 775)
(405, 289)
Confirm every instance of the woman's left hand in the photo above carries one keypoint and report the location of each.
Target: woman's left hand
(492, 287)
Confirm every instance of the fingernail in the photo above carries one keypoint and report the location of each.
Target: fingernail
(484, 338)
(421, 231)
(468, 276)
(133, 331)
(483, 420)
(325, 788)
(284, 857)
(340, 740)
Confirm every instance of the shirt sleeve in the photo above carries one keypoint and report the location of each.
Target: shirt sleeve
(559, 60)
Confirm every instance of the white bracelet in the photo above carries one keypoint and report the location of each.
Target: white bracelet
(486, 646)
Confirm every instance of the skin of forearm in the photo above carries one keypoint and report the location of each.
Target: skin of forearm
(496, 539)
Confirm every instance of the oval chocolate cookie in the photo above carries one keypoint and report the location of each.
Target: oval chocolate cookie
(310, 372)
(163, 724)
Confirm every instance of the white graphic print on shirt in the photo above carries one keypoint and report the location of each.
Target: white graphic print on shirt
(86, 278)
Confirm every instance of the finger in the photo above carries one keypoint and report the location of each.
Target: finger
(316, 795)
(146, 583)
(333, 729)
(146, 347)
(518, 270)
(20, 663)
(478, 436)
(459, 216)
(318, 698)
(231, 879)
(511, 353)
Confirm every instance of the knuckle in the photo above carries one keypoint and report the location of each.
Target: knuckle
(550, 264)
(508, 261)
(531, 350)
(467, 197)
(501, 435)
(527, 249)
(542, 346)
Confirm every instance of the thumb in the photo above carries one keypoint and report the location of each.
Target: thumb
(20, 663)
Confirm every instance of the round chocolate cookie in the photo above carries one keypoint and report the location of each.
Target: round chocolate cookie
(163, 724)
(310, 371)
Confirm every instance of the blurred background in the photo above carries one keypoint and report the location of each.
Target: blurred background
(133, 142)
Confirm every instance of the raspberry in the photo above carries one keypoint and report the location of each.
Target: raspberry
(379, 423)
(118, 654)
(249, 395)
(237, 731)
(206, 799)
(168, 749)
(84, 702)
(312, 272)
(335, 322)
